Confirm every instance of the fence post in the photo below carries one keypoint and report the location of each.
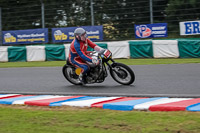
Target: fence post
(92, 12)
(1, 37)
(151, 11)
(42, 12)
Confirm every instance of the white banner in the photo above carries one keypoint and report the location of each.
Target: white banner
(165, 49)
(67, 47)
(3, 54)
(119, 49)
(35, 53)
(189, 28)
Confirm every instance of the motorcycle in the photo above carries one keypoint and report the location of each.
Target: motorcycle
(121, 73)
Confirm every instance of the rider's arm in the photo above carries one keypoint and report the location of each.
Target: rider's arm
(88, 52)
(90, 43)
(81, 53)
(94, 46)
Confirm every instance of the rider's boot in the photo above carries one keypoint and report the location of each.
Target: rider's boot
(82, 78)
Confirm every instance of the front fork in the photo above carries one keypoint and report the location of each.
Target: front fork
(110, 66)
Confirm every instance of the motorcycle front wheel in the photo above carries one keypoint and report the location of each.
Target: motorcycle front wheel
(70, 75)
(122, 74)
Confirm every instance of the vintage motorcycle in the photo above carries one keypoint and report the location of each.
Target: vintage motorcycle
(121, 73)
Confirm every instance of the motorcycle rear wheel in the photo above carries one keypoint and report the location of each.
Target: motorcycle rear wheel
(70, 75)
(122, 74)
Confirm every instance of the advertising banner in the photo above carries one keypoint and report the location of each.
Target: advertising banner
(189, 28)
(151, 30)
(25, 36)
(94, 33)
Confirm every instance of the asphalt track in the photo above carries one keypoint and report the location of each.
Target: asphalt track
(172, 80)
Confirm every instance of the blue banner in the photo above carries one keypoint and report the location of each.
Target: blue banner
(151, 30)
(94, 33)
(25, 36)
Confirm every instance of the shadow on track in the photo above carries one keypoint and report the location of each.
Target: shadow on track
(99, 86)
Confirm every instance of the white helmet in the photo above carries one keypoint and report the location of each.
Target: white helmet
(80, 34)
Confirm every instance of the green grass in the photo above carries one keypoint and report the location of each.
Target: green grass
(125, 61)
(32, 64)
(159, 61)
(23, 119)
(28, 119)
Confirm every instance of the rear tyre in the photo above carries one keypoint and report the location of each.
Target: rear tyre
(122, 74)
(70, 75)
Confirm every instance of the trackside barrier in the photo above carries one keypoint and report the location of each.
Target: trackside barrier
(165, 49)
(119, 49)
(3, 54)
(88, 102)
(194, 107)
(146, 105)
(177, 48)
(120, 99)
(4, 96)
(35, 53)
(48, 101)
(55, 52)
(128, 105)
(11, 100)
(112, 103)
(175, 106)
(189, 48)
(17, 54)
(141, 49)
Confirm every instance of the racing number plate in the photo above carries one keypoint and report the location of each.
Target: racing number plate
(107, 54)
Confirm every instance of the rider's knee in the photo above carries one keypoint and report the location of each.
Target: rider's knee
(86, 69)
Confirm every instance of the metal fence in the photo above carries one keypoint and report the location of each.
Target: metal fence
(118, 17)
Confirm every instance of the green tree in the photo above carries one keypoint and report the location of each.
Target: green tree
(23, 14)
(181, 10)
(67, 13)
(119, 16)
(20, 14)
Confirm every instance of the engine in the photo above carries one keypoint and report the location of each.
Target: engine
(96, 74)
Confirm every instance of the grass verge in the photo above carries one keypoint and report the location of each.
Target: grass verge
(125, 61)
(22, 119)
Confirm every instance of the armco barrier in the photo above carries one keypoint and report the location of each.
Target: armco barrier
(112, 103)
(165, 48)
(55, 52)
(177, 48)
(4, 54)
(119, 49)
(35, 53)
(141, 49)
(16, 54)
(189, 48)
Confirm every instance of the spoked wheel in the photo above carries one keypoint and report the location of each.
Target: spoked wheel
(122, 74)
(70, 75)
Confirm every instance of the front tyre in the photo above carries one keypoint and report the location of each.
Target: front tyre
(122, 74)
(70, 75)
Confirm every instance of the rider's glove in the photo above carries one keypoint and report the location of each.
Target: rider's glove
(95, 61)
(102, 51)
(98, 49)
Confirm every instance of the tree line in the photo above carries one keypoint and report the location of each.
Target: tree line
(117, 16)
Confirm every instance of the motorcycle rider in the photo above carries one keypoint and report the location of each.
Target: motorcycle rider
(78, 54)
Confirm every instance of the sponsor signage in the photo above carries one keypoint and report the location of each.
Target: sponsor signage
(94, 33)
(25, 36)
(151, 30)
(189, 28)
